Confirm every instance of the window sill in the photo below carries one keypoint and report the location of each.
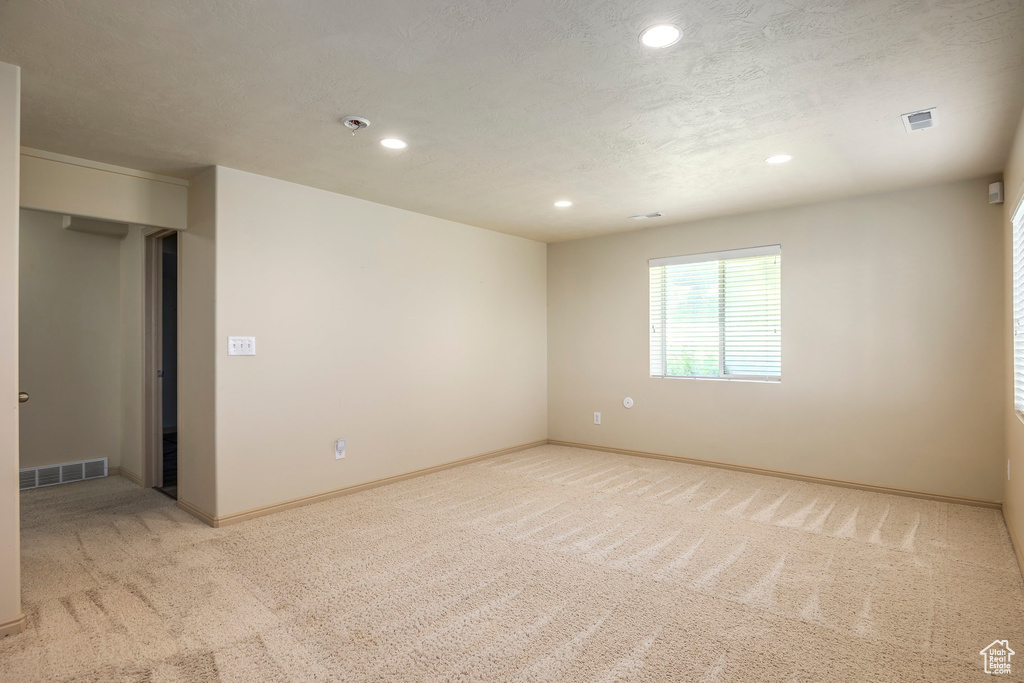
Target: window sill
(755, 380)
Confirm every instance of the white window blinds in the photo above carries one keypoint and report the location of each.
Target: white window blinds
(1018, 309)
(718, 315)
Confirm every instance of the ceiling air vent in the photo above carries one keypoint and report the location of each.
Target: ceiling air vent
(645, 216)
(919, 120)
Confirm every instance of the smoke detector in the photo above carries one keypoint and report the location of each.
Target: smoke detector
(355, 123)
(921, 119)
(645, 216)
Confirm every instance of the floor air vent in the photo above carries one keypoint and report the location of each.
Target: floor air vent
(95, 468)
(49, 475)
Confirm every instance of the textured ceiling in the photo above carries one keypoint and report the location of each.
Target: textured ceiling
(508, 105)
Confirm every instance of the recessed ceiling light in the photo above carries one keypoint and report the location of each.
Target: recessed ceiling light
(778, 159)
(661, 35)
(563, 203)
(393, 143)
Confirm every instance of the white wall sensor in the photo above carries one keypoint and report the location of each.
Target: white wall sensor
(995, 193)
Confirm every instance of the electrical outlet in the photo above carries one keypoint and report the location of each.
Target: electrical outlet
(241, 346)
(339, 449)
(597, 418)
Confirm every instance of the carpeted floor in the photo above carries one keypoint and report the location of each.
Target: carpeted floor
(545, 565)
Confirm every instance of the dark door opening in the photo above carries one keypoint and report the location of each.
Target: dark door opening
(168, 364)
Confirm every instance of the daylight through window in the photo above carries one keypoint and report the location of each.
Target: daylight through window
(1018, 309)
(718, 315)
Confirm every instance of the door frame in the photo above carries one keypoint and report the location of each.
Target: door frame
(152, 341)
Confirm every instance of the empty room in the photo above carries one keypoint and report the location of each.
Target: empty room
(466, 340)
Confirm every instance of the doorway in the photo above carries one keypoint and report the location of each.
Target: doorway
(161, 362)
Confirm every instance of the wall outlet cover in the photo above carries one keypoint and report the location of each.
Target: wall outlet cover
(597, 418)
(339, 449)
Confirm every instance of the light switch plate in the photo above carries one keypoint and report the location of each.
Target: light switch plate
(241, 346)
(339, 449)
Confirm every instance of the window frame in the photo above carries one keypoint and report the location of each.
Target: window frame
(1016, 241)
(721, 257)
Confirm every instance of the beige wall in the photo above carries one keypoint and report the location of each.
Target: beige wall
(130, 311)
(1013, 506)
(198, 349)
(892, 344)
(70, 343)
(10, 549)
(79, 187)
(419, 340)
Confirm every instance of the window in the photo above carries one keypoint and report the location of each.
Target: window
(1018, 308)
(718, 315)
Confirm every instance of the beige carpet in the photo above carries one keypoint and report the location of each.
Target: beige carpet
(546, 565)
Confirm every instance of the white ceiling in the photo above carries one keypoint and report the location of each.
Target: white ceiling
(508, 105)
